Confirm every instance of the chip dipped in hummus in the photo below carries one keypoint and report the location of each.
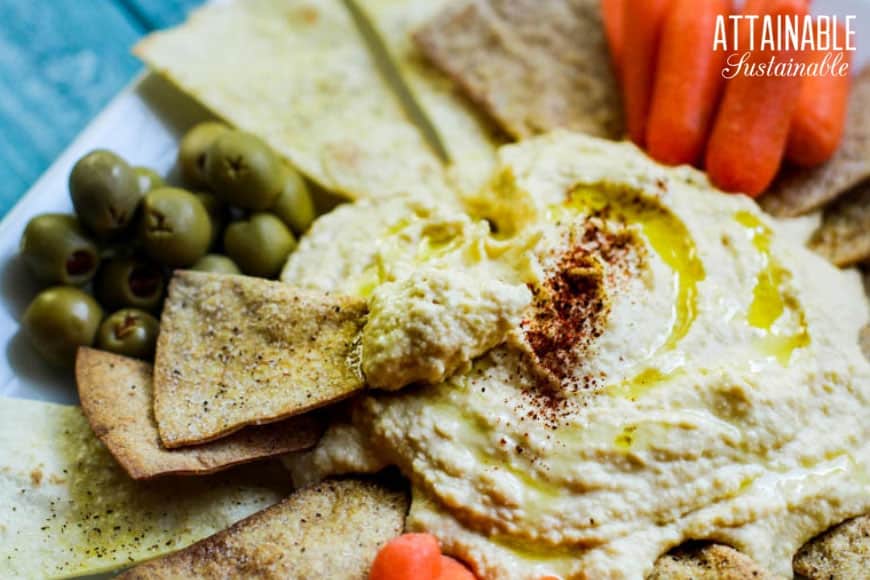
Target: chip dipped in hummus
(630, 360)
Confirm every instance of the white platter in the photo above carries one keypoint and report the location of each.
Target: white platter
(143, 124)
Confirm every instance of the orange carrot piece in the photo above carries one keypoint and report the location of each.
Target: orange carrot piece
(688, 82)
(642, 20)
(454, 570)
(408, 557)
(820, 118)
(613, 14)
(749, 134)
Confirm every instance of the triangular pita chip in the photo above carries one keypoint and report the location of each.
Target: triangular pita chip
(841, 553)
(117, 398)
(330, 530)
(844, 236)
(707, 562)
(68, 509)
(236, 351)
(533, 65)
(298, 74)
(798, 191)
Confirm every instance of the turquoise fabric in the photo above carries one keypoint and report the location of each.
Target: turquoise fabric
(61, 61)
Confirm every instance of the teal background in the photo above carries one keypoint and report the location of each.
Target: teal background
(61, 61)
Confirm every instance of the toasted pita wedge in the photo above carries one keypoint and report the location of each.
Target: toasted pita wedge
(298, 74)
(331, 530)
(844, 236)
(533, 65)
(697, 561)
(798, 191)
(841, 553)
(236, 351)
(68, 509)
(116, 394)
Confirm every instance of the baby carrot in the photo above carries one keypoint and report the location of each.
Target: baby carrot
(613, 12)
(749, 134)
(688, 82)
(454, 570)
(408, 557)
(642, 22)
(820, 116)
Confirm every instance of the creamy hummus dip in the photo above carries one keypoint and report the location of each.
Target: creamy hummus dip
(609, 358)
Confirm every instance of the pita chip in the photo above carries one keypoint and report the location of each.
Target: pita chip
(330, 530)
(116, 395)
(532, 65)
(68, 509)
(799, 191)
(235, 351)
(844, 235)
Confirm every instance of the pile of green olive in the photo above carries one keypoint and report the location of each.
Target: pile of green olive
(240, 213)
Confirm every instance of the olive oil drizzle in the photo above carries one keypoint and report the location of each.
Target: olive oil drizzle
(671, 240)
(770, 298)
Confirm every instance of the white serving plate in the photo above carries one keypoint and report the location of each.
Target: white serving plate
(143, 124)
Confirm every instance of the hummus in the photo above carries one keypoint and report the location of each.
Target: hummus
(681, 367)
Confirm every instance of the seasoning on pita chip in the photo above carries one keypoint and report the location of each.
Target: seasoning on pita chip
(236, 351)
(699, 561)
(841, 553)
(297, 74)
(331, 530)
(844, 236)
(798, 191)
(116, 394)
(533, 65)
(68, 509)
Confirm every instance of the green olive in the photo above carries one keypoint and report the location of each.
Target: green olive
(104, 191)
(217, 264)
(147, 179)
(217, 213)
(129, 332)
(59, 321)
(294, 205)
(259, 246)
(193, 150)
(131, 282)
(175, 228)
(244, 171)
(57, 250)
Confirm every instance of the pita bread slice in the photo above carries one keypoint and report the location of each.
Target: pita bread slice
(841, 553)
(236, 351)
(68, 509)
(331, 530)
(469, 136)
(844, 236)
(297, 73)
(798, 191)
(117, 395)
(532, 65)
(700, 561)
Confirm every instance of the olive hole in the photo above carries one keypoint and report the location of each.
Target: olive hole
(145, 281)
(125, 327)
(81, 263)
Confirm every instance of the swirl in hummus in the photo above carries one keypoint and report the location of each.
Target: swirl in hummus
(609, 358)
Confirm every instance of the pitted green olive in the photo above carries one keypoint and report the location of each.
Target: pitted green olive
(57, 250)
(175, 228)
(294, 205)
(129, 282)
(243, 171)
(105, 192)
(59, 321)
(129, 332)
(259, 246)
(193, 150)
